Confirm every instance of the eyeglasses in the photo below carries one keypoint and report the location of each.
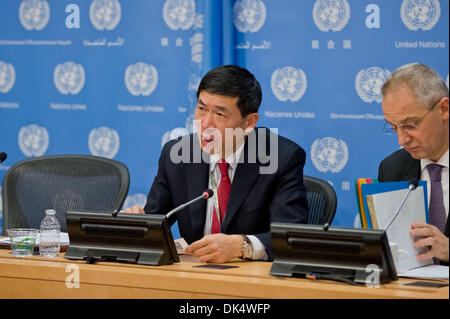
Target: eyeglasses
(390, 129)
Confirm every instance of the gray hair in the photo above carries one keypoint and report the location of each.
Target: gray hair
(425, 83)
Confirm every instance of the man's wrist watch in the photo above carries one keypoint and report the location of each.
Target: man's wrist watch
(247, 248)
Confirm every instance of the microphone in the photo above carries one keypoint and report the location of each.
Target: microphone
(206, 194)
(412, 185)
(3, 156)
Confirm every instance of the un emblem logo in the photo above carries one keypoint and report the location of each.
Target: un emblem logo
(141, 79)
(420, 14)
(33, 140)
(136, 199)
(331, 14)
(329, 154)
(7, 77)
(34, 14)
(190, 123)
(288, 83)
(368, 83)
(249, 15)
(194, 82)
(179, 14)
(104, 142)
(173, 135)
(196, 43)
(105, 14)
(69, 77)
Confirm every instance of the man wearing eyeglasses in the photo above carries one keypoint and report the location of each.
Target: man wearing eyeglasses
(416, 108)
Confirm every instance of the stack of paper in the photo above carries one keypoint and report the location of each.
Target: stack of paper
(378, 204)
(366, 188)
(434, 272)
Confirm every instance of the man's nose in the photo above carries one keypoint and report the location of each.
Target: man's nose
(207, 121)
(403, 137)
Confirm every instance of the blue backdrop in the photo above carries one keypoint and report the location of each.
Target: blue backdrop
(118, 78)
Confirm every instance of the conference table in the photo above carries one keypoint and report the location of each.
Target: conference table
(36, 277)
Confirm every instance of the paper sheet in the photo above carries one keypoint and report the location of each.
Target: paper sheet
(436, 272)
(385, 205)
(181, 245)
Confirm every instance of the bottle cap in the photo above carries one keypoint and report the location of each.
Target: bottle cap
(50, 211)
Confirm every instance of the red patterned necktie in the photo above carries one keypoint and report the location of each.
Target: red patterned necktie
(223, 192)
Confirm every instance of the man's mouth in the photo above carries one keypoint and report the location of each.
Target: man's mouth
(207, 139)
(411, 149)
(207, 143)
(208, 135)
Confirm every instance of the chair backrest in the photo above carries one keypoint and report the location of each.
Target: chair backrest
(322, 200)
(61, 182)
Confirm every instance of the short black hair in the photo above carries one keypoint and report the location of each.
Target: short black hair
(234, 81)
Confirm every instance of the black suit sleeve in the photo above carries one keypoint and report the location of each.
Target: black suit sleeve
(380, 172)
(289, 203)
(159, 200)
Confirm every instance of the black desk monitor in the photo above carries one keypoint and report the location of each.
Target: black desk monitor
(106, 236)
(344, 254)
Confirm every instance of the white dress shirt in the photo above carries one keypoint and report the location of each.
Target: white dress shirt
(425, 176)
(259, 251)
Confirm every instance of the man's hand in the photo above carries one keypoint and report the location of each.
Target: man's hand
(430, 236)
(133, 210)
(217, 248)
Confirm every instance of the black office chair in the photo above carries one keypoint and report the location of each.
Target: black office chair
(61, 182)
(322, 200)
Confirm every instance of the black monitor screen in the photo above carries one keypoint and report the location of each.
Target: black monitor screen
(104, 236)
(352, 254)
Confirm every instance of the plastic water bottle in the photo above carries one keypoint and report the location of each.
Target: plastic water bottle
(49, 235)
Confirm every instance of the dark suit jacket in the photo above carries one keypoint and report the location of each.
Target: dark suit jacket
(400, 166)
(255, 199)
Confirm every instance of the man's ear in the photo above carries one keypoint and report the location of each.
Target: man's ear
(251, 120)
(443, 108)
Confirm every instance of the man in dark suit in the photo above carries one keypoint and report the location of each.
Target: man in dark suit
(416, 108)
(256, 175)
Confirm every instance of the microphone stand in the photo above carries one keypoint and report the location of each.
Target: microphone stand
(208, 193)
